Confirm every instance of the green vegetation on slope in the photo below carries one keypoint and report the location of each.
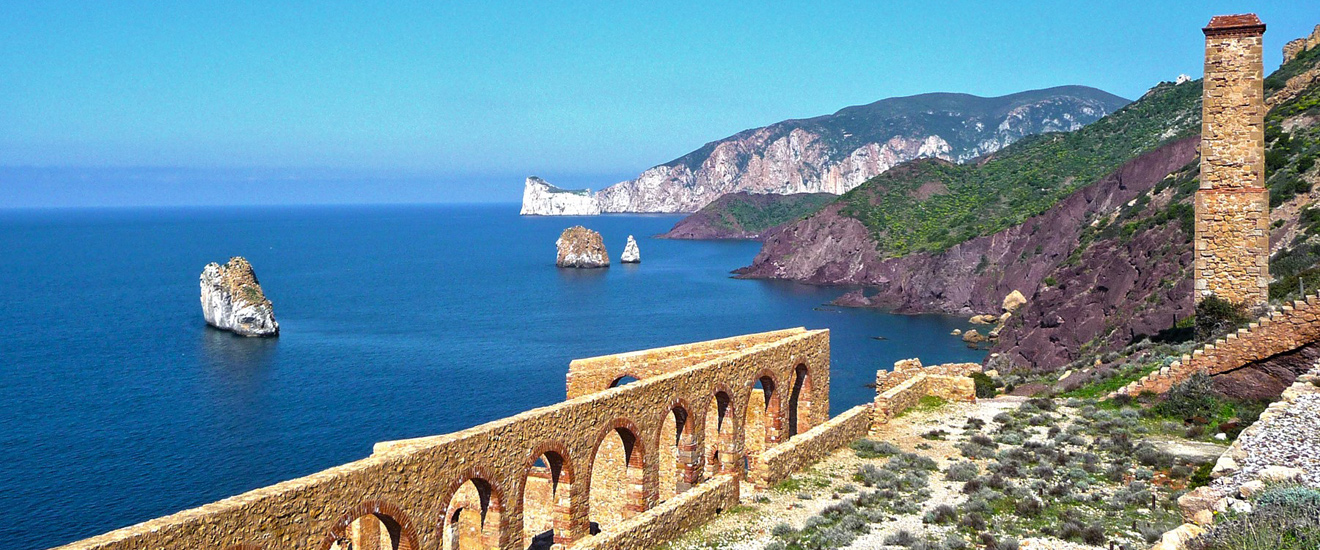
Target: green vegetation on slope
(931, 205)
(754, 216)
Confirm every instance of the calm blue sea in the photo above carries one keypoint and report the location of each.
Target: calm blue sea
(120, 405)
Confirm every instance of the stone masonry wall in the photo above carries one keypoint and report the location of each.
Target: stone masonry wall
(666, 521)
(901, 388)
(408, 484)
(1232, 206)
(594, 374)
(1283, 330)
(817, 443)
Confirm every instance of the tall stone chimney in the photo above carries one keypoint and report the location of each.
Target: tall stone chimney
(1232, 205)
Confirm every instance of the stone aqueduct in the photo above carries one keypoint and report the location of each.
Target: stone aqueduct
(698, 419)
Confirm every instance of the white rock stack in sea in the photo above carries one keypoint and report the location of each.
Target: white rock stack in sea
(581, 247)
(631, 255)
(232, 300)
(542, 199)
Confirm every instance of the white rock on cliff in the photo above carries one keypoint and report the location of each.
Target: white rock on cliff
(232, 299)
(581, 247)
(631, 255)
(542, 199)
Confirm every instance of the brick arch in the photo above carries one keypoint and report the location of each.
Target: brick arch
(635, 467)
(800, 397)
(685, 461)
(492, 508)
(763, 419)
(394, 518)
(563, 524)
(722, 449)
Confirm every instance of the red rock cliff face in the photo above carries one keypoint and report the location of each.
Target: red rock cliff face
(974, 276)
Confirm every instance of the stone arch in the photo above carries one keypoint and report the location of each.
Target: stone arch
(722, 433)
(372, 525)
(624, 379)
(547, 493)
(616, 487)
(762, 418)
(799, 401)
(473, 512)
(676, 445)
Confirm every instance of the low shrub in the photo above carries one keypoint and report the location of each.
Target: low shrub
(962, 471)
(869, 448)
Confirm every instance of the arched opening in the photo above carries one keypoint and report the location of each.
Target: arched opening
(546, 502)
(616, 492)
(723, 455)
(472, 518)
(799, 402)
(761, 428)
(623, 380)
(678, 453)
(372, 525)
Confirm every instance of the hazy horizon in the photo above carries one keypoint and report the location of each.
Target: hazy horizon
(423, 103)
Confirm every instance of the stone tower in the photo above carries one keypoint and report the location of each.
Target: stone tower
(1232, 205)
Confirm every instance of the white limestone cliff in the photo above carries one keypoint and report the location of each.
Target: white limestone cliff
(232, 300)
(542, 199)
(631, 255)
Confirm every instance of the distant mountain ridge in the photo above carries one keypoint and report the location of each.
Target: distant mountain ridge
(837, 152)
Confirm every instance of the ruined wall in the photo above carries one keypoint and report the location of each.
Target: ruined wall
(777, 463)
(666, 521)
(1232, 205)
(409, 484)
(901, 388)
(909, 368)
(595, 374)
(897, 399)
(1283, 330)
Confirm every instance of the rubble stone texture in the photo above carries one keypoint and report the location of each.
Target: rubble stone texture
(1232, 205)
(480, 486)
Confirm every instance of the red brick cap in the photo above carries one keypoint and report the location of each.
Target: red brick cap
(1244, 23)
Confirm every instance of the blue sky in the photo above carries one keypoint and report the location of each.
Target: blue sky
(146, 103)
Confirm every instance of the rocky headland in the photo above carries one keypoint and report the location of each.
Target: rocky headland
(631, 254)
(232, 300)
(837, 152)
(580, 247)
(542, 199)
(746, 215)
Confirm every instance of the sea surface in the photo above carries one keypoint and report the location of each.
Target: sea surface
(120, 404)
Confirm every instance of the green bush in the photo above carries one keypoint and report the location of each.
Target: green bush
(1192, 399)
(985, 386)
(1216, 316)
(1285, 518)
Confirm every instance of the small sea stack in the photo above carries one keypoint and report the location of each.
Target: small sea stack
(580, 247)
(631, 255)
(232, 300)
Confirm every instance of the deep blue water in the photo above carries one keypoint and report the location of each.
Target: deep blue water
(120, 405)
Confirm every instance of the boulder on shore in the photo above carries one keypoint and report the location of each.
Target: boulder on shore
(972, 337)
(581, 247)
(1013, 301)
(631, 255)
(232, 300)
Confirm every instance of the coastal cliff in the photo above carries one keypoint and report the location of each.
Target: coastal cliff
(542, 199)
(746, 215)
(232, 300)
(835, 153)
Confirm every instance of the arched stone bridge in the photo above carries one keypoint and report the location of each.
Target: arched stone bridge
(555, 474)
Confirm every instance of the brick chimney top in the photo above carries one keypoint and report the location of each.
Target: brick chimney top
(1244, 23)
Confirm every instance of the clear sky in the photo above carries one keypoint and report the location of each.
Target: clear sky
(145, 103)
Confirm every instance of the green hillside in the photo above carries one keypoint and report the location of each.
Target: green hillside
(930, 205)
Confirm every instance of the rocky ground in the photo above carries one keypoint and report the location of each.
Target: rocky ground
(1001, 473)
